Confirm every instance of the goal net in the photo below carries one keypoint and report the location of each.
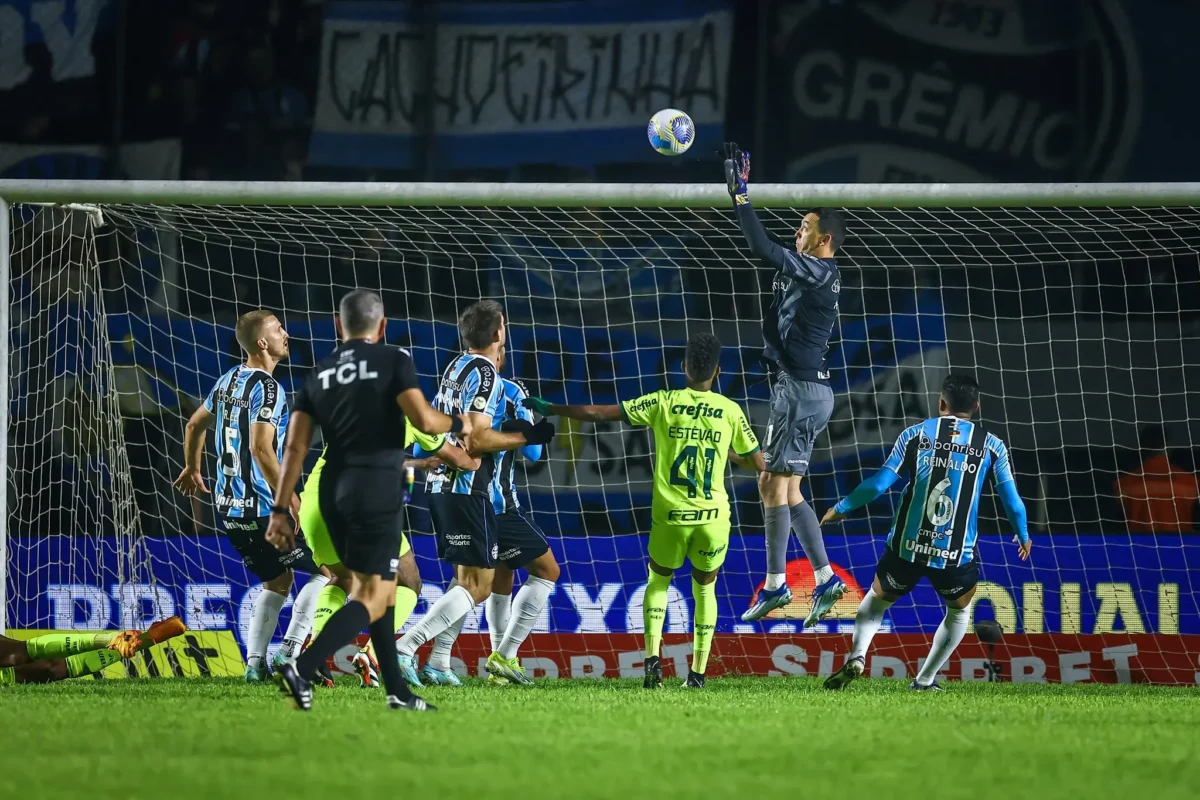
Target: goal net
(1080, 322)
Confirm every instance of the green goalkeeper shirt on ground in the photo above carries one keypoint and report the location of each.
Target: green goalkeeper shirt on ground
(693, 433)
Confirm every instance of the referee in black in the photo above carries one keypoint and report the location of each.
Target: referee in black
(360, 395)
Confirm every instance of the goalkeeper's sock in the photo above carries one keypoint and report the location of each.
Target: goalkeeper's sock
(449, 608)
(406, 601)
(704, 623)
(383, 637)
(949, 634)
(867, 622)
(341, 629)
(329, 600)
(267, 606)
(439, 657)
(530, 600)
(654, 610)
(302, 616)
(808, 530)
(61, 645)
(497, 611)
(90, 663)
(778, 523)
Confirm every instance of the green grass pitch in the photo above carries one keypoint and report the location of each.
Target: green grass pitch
(741, 737)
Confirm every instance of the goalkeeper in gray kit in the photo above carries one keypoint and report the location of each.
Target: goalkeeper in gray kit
(796, 329)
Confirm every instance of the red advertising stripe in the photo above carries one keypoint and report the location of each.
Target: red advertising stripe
(1021, 658)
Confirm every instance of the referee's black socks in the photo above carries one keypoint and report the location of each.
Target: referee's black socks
(341, 629)
(383, 636)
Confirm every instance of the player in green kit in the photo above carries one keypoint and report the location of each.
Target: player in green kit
(696, 431)
(408, 579)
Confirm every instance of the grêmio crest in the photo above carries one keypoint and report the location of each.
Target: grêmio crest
(953, 90)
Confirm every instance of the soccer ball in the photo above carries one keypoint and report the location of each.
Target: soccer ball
(671, 132)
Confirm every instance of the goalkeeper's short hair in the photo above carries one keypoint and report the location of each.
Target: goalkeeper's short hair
(832, 222)
(703, 356)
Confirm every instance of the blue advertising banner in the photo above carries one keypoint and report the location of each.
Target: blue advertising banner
(568, 83)
(1074, 585)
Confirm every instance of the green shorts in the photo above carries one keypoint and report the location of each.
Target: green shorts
(312, 523)
(704, 545)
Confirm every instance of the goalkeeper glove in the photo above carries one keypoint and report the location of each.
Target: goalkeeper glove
(537, 405)
(516, 426)
(737, 172)
(541, 433)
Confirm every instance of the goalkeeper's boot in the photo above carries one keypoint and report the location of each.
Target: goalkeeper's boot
(294, 687)
(767, 601)
(130, 642)
(496, 680)
(852, 669)
(408, 668)
(509, 668)
(695, 680)
(824, 598)
(256, 674)
(432, 676)
(410, 703)
(653, 668)
(926, 687)
(367, 669)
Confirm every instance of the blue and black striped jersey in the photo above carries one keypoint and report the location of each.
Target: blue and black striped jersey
(470, 384)
(947, 460)
(243, 397)
(504, 487)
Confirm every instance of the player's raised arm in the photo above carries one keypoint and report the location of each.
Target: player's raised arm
(1006, 488)
(737, 175)
(191, 480)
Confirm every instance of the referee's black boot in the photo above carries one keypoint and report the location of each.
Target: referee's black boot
(294, 687)
(410, 703)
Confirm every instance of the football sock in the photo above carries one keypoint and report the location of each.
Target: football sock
(267, 606)
(453, 605)
(808, 530)
(302, 615)
(406, 601)
(61, 645)
(527, 607)
(8, 676)
(92, 662)
(339, 631)
(439, 657)
(704, 623)
(949, 634)
(383, 636)
(496, 612)
(867, 622)
(654, 610)
(330, 599)
(778, 528)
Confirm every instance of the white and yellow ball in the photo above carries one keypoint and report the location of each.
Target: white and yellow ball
(671, 132)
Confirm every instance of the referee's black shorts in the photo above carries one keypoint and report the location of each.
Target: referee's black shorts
(466, 529)
(363, 508)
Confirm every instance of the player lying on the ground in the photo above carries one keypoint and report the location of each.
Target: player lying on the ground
(250, 412)
(460, 502)
(796, 331)
(58, 656)
(695, 431)
(934, 533)
(522, 546)
(408, 578)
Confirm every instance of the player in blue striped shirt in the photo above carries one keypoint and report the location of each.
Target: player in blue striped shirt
(461, 502)
(249, 410)
(933, 535)
(522, 544)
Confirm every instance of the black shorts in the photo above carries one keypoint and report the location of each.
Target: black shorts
(520, 538)
(363, 507)
(466, 529)
(898, 577)
(248, 535)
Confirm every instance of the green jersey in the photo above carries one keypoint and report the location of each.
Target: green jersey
(693, 433)
(429, 442)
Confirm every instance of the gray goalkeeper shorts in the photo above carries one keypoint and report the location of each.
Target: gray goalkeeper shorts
(800, 410)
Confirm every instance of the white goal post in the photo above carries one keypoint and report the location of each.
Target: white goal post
(1071, 302)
